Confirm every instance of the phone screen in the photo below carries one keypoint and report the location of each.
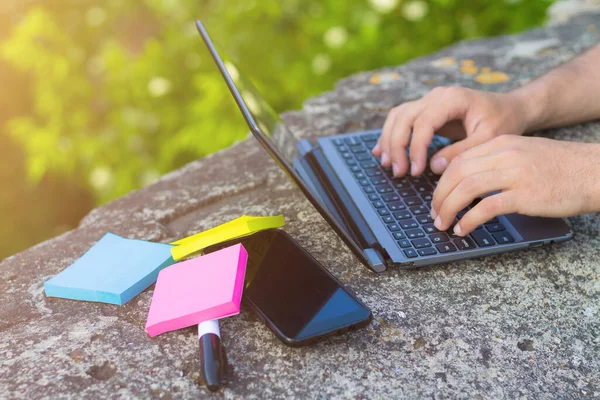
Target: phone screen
(295, 293)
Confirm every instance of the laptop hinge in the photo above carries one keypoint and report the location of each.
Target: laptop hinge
(339, 198)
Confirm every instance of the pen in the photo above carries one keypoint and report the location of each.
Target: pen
(213, 361)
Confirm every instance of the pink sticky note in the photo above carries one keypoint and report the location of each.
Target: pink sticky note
(201, 289)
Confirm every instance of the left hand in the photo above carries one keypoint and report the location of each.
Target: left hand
(535, 176)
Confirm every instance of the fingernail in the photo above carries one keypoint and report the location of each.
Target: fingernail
(433, 214)
(438, 222)
(396, 169)
(376, 148)
(438, 165)
(413, 168)
(384, 159)
(457, 229)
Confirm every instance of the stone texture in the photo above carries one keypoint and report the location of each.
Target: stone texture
(565, 10)
(521, 325)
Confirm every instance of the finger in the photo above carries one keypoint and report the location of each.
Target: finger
(469, 189)
(460, 169)
(443, 158)
(488, 208)
(449, 106)
(389, 121)
(401, 133)
(384, 144)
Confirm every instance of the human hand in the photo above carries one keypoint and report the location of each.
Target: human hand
(535, 176)
(457, 113)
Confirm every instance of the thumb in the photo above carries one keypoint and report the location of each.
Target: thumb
(441, 159)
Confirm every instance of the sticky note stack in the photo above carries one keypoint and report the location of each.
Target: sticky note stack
(113, 271)
(234, 229)
(197, 290)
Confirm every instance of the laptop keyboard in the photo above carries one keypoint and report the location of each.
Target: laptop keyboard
(403, 204)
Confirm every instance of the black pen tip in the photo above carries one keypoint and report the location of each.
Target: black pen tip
(213, 388)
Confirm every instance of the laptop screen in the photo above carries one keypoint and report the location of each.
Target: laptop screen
(275, 137)
(258, 112)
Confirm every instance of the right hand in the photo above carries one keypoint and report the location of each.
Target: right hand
(470, 116)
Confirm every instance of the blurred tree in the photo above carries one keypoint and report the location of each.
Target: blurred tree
(105, 96)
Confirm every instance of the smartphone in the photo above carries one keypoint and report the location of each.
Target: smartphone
(298, 299)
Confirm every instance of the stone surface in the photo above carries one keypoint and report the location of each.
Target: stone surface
(565, 10)
(521, 325)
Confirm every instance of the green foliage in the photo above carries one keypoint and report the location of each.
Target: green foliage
(119, 92)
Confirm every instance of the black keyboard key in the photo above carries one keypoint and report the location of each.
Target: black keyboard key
(416, 180)
(399, 235)
(415, 234)
(364, 182)
(373, 172)
(424, 188)
(370, 145)
(396, 206)
(388, 219)
(342, 149)
(346, 155)
(420, 210)
(492, 221)
(503, 237)
(390, 197)
(427, 197)
(410, 253)
(358, 149)
(408, 224)
(378, 180)
(482, 238)
(384, 189)
(445, 247)
(421, 243)
(368, 189)
(464, 243)
(367, 137)
(494, 227)
(428, 251)
(393, 227)
(402, 215)
(430, 228)
(355, 168)
(413, 201)
(351, 161)
(407, 192)
(373, 197)
(440, 237)
(404, 243)
(366, 164)
(479, 227)
(383, 212)
(379, 204)
(351, 141)
(424, 219)
(338, 142)
(400, 185)
(359, 175)
(363, 157)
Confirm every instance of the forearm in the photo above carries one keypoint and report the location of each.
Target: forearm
(592, 172)
(567, 95)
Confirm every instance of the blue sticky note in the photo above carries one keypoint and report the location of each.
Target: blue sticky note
(114, 271)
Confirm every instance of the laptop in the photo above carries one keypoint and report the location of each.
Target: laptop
(385, 221)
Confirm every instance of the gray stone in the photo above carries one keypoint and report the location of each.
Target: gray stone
(520, 325)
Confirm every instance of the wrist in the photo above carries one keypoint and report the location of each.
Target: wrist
(531, 105)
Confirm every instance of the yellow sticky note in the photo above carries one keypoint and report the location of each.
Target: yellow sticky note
(239, 227)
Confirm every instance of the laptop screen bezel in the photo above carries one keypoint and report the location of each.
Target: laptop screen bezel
(273, 152)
